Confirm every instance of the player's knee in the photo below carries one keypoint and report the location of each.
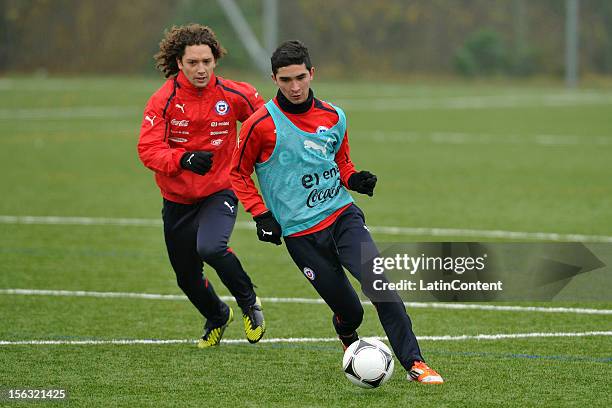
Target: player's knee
(211, 250)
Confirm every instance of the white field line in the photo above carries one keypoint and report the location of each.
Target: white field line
(137, 222)
(387, 230)
(413, 305)
(482, 138)
(500, 336)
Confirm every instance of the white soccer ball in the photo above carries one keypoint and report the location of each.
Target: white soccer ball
(368, 363)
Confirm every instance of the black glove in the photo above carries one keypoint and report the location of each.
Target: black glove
(199, 162)
(362, 182)
(268, 229)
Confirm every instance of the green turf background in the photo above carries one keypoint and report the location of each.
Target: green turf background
(68, 148)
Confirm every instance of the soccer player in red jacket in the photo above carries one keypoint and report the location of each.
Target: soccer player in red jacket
(187, 137)
(298, 146)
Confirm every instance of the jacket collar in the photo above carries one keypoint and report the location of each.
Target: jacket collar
(185, 85)
(289, 107)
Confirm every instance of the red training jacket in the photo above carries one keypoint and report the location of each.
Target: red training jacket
(257, 141)
(180, 117)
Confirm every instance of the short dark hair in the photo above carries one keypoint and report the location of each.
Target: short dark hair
(177, 38)
(290, 53)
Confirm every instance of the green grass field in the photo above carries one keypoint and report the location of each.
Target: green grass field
(463, 157)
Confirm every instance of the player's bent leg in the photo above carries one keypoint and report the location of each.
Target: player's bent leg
(180, 238)
(202, 295)
(398, 328)
(319, 264)
(215, 224)
(231, 273)
(240, 286)
(352, 238)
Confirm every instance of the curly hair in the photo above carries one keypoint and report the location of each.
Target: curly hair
(172, 46)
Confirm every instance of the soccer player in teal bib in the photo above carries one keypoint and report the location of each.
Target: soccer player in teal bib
(298, 147)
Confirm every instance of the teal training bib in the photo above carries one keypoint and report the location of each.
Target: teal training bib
(300, 182)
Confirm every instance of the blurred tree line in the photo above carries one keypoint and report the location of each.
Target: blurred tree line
(471, 37)
(348, 37)
(105, 37)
